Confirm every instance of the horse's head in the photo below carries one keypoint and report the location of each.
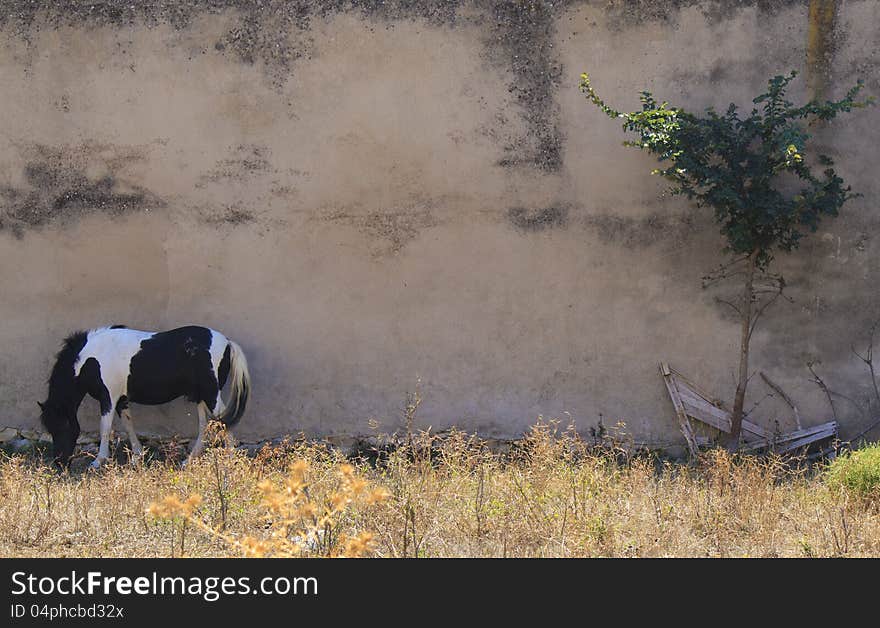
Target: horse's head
(63, 425)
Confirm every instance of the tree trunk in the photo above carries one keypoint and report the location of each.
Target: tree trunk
(739, 399)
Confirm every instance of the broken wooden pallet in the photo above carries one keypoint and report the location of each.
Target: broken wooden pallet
(692, 403)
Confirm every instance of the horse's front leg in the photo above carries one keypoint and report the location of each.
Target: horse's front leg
(104, 449)
(137, 450)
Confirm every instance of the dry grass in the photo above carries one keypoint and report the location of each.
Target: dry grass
(553, 495)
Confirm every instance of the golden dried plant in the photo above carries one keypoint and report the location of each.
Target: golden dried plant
(297, 523)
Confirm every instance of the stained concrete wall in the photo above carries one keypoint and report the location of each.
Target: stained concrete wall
(372, 196)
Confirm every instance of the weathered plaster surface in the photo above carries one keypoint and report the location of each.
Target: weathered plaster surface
(369, 194)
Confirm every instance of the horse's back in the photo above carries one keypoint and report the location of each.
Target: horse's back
(174, 363)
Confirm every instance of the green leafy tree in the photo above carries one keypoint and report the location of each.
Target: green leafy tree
(753, 172)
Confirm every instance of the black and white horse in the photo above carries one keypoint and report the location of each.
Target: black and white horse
(119, 366)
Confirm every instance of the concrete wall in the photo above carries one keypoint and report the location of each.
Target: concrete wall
(367, 195)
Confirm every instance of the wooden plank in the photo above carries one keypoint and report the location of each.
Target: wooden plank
(798, 438)
(807, 431)
(703, 405)
(696, 388)
(801, 442)
(683, 422)
(757, 430)
(699, 413)
(704, 410)
(690, 401)
(781, 438)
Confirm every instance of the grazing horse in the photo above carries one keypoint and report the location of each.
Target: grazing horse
(119, 366)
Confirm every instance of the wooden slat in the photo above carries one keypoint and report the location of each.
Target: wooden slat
(754, 446)
(696, 388)
(801, 442)
(704, 407)
(798, 438)
(807, 431)
(757, 430)
(690, 401)
(683, 422)
(699, 413)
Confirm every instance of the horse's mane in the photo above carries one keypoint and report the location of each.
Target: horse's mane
(62, 387)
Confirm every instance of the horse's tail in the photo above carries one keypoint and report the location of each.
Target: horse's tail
(240, 387)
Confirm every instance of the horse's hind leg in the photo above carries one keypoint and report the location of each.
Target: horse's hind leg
(217, 411)
(219, 407)
(137, 450)
(199, 445)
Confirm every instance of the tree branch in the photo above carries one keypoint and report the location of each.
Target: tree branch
(763, 307)
(868, 359)
(786, 398)
(729, 304)
(821, 384)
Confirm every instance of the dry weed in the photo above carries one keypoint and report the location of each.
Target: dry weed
(552, 494)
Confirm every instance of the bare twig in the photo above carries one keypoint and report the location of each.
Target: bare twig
(755, 405)
(778, 285)
(729, 304)
(868, 359)
(821, 384)
(725, 271)
(855, 403)
(786, 398)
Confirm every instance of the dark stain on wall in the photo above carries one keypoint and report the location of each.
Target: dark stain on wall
(229, 216)
(821, 45)
(518, 37)
(534, 220)
(522, 39)
(396, 227)
(56, 187)
(641, 232)
(623, 13)
(246, 161)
